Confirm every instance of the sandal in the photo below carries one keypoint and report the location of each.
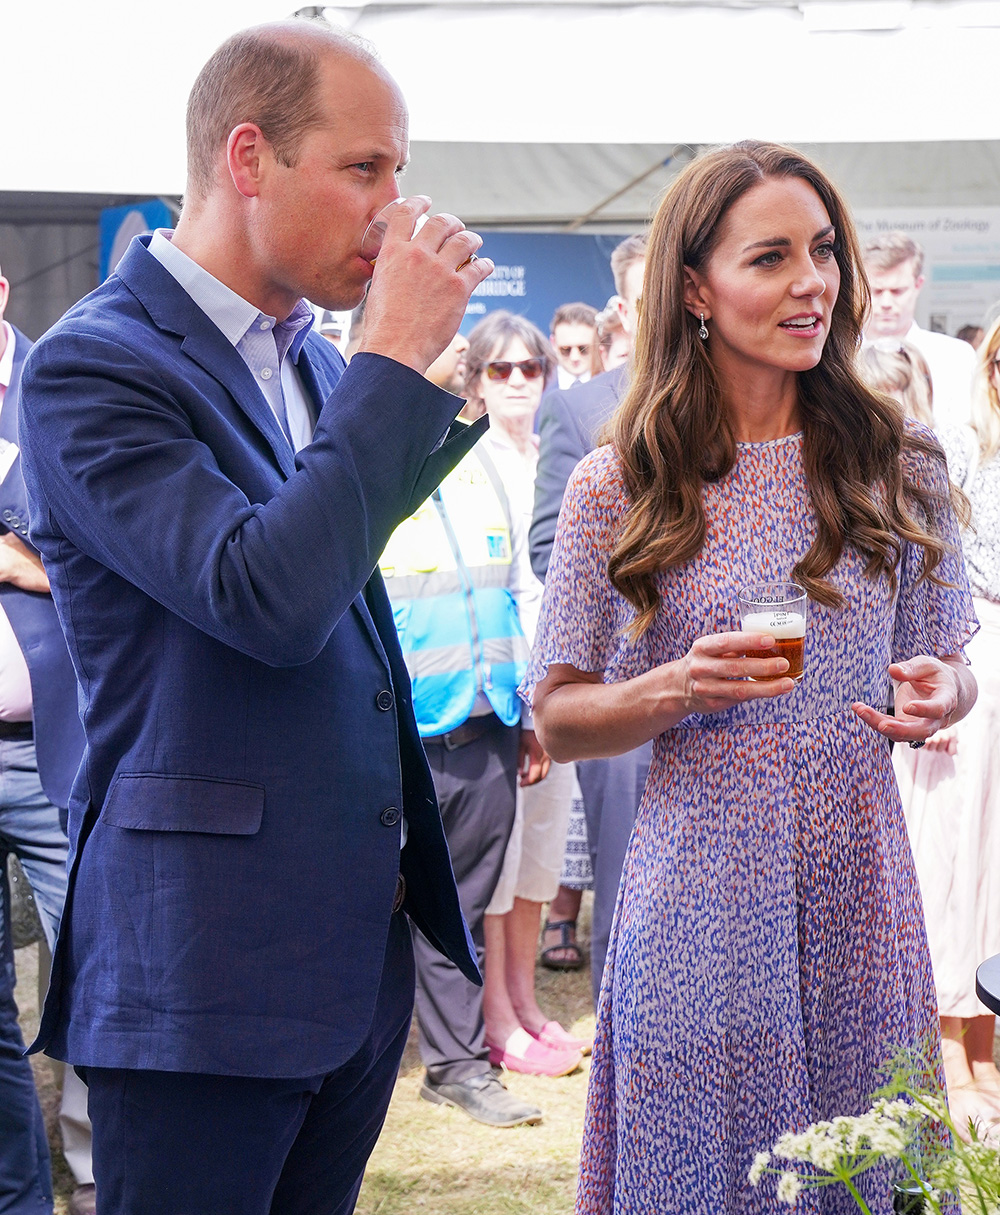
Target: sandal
(567, 945)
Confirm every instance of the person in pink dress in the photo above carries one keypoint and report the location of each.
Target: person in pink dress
(769, 951)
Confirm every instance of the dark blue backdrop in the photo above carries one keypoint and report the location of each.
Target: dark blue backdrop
(538, 271)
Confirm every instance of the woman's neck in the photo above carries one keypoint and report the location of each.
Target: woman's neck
(764, 407)
(518, 431)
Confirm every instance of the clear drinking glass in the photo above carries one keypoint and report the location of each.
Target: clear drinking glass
(371, 242)
(778, 609)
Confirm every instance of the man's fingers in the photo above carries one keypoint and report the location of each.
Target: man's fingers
(478, 269)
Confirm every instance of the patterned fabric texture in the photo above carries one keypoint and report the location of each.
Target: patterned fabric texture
(576, 871)
(768, 952)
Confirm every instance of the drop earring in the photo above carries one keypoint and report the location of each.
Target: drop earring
(703, 329)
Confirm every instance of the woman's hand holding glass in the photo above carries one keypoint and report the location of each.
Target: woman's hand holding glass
(717, 674)
(579, 716)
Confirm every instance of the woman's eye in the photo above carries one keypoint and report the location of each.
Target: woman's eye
(768, 259)
(826, 250)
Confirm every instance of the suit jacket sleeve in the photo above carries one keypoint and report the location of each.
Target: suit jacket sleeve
(114, 463)
(562, 444)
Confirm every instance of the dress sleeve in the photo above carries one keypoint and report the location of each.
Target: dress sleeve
(582, 615)
(931, 618)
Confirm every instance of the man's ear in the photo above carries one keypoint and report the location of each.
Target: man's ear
(695, 293)
(920, 282)
(246, 153)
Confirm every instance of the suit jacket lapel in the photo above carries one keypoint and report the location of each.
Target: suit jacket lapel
(206, 345)
(318, 379)
(174, 311)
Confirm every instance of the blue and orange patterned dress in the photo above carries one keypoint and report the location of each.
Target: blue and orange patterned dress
(768, 953)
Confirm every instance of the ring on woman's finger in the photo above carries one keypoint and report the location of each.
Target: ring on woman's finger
(918, 743)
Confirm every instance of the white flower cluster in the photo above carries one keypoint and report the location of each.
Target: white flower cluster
(759, 1166)
(884, 1131)
(789, 1186)
(844, 1147)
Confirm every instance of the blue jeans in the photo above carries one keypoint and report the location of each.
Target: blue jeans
(29, 827)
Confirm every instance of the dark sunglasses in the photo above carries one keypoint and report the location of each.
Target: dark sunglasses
(531, 369)
(566, 351)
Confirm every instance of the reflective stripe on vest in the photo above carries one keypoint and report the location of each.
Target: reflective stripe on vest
(447, 570)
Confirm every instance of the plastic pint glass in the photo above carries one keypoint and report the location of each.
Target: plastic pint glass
(778, 609)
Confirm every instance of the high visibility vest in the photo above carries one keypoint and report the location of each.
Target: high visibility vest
(448, 570)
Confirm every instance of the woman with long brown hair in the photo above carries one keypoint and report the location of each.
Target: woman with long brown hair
(769, 950)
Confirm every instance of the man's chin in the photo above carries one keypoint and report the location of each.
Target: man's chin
(890, 329)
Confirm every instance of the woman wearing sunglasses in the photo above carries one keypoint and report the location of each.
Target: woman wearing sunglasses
(507, 364)
(768, 952)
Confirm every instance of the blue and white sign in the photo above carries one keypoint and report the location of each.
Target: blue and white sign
(120, 224)
(537, 271)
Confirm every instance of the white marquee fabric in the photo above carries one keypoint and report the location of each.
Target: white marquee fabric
(528, 114)
(96, 90)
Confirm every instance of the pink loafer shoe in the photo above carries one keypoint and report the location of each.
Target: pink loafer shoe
(553, 1034)
(522, 1053)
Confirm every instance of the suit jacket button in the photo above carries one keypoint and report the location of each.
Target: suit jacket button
(7, 516)
(384, 701)
(15, 520)
(390, 816)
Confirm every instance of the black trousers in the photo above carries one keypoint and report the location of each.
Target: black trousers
(169, 1143)
(612, 789)
(476, 789)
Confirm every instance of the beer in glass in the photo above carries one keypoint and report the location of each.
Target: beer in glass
(778, 609)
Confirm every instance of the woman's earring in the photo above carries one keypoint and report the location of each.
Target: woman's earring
(703, 329)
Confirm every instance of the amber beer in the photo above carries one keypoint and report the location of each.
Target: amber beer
(777, 609)
(789, 633)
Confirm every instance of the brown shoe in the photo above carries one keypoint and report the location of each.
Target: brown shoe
(83, 1201)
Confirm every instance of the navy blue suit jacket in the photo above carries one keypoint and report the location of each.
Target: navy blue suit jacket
(569, 422)
(32, 616)
(251, 744)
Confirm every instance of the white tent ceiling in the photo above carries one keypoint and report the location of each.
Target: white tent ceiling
(514, 104)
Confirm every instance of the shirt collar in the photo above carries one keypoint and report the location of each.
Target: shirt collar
(229, 312)
(7, 362)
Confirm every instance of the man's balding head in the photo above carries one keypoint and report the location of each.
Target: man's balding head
(267, 75)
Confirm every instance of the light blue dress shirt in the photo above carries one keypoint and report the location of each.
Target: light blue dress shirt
(260, 340)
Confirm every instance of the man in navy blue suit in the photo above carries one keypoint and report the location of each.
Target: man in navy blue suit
(211, 490)
(40, 747)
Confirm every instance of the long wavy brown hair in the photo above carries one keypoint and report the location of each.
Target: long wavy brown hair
(673, 431)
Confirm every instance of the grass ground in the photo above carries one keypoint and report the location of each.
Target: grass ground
(432, 1157)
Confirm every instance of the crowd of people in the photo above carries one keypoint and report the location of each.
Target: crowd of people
(332, 701)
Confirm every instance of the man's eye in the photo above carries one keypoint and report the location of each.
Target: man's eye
(365, 166)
